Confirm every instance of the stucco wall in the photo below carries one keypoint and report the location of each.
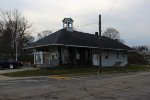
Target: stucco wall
(52, 57)
(64, 55)
(111, 61)
(112, 58)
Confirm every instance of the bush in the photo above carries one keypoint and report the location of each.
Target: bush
(136, 58)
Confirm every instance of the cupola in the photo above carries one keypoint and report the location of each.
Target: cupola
(68, 24)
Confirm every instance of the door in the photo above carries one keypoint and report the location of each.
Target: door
(53, 61)
(95, 59)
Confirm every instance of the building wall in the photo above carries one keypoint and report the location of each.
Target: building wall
(113, 60)
(64, 55)
(109, 58)
(49, 58)
(54, 56)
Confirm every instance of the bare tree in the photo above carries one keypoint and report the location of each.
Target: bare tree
(141, 48)
(43, 34)
(112, 33)
(13, 25)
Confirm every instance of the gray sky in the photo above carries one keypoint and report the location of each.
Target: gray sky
(130, 17)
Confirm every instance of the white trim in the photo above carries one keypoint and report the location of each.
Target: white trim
(59, 45)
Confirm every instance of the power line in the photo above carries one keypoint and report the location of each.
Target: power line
(110, 10)
(88, 24)
(83, 25)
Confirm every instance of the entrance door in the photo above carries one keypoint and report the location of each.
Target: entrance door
(53, 59)
(95, 59)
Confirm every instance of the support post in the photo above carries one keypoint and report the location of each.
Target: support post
(60, 55)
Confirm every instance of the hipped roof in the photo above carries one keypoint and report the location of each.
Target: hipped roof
(78, 39)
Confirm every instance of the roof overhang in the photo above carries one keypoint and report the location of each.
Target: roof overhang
(75, 46)
(59, 45)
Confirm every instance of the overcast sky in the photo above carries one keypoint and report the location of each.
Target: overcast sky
(130, 17)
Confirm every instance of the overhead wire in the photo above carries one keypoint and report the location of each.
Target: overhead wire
(110, 10)
(105, 16)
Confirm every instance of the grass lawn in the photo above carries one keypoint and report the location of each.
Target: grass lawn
(63, 70)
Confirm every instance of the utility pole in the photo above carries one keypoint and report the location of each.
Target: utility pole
(100, 46)
(16, 48)
(17, 39)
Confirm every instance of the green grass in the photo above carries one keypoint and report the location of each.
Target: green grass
(67, 70)
(129, 68)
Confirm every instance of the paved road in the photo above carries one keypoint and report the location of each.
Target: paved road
(134, 86)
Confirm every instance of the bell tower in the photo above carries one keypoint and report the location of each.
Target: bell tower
(68, 24)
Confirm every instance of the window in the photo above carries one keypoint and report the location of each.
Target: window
(117, 55)
(97, 56)
(77, 55)
(65, 25)
(38, 59)
(45, 58)
(53, 56)
(107, 55)
(123, 55)
(69, 24)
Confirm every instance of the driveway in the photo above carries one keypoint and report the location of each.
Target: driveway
(134, 86)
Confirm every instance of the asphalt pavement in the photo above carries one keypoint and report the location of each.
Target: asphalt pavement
(125, 86)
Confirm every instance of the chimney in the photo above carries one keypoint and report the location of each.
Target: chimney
(96, 33)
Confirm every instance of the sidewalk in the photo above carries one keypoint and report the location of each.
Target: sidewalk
(13, 70)
(16, 70)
